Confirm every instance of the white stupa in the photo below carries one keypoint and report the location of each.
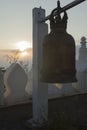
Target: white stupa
(82, 60)
(15, 80)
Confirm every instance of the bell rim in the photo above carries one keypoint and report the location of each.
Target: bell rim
(59, 80)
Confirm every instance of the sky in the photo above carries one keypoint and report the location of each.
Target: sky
(16, 20)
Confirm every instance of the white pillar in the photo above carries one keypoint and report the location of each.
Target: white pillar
(40, 90)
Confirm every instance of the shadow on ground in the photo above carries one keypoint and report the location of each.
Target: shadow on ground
(66, 113)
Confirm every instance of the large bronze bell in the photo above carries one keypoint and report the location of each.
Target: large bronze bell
(58, 53)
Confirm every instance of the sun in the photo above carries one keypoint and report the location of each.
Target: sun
(23, 45)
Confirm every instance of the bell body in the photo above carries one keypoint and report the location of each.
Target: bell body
(58, 57)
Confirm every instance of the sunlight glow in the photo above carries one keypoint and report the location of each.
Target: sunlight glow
(24, 53)
(23, 45)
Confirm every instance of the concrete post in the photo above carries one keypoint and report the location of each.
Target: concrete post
(40, 90)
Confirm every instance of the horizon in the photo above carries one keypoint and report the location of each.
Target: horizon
(28, 58)
(5, 53)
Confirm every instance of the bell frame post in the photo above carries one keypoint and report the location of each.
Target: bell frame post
(40, 90)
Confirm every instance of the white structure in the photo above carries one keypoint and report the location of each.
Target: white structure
(40, 90)
(2, 89)
(82, 60)
(15, 80)
(82, 67)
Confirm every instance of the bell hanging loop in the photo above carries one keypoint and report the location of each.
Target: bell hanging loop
(58, 52)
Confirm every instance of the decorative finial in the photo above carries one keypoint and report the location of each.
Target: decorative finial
(57, 21)
(58, 4)
(83, 39)
(83, 42)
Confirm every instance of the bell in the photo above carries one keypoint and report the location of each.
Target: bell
(58, 53)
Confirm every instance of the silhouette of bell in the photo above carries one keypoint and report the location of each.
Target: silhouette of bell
(58, 53)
